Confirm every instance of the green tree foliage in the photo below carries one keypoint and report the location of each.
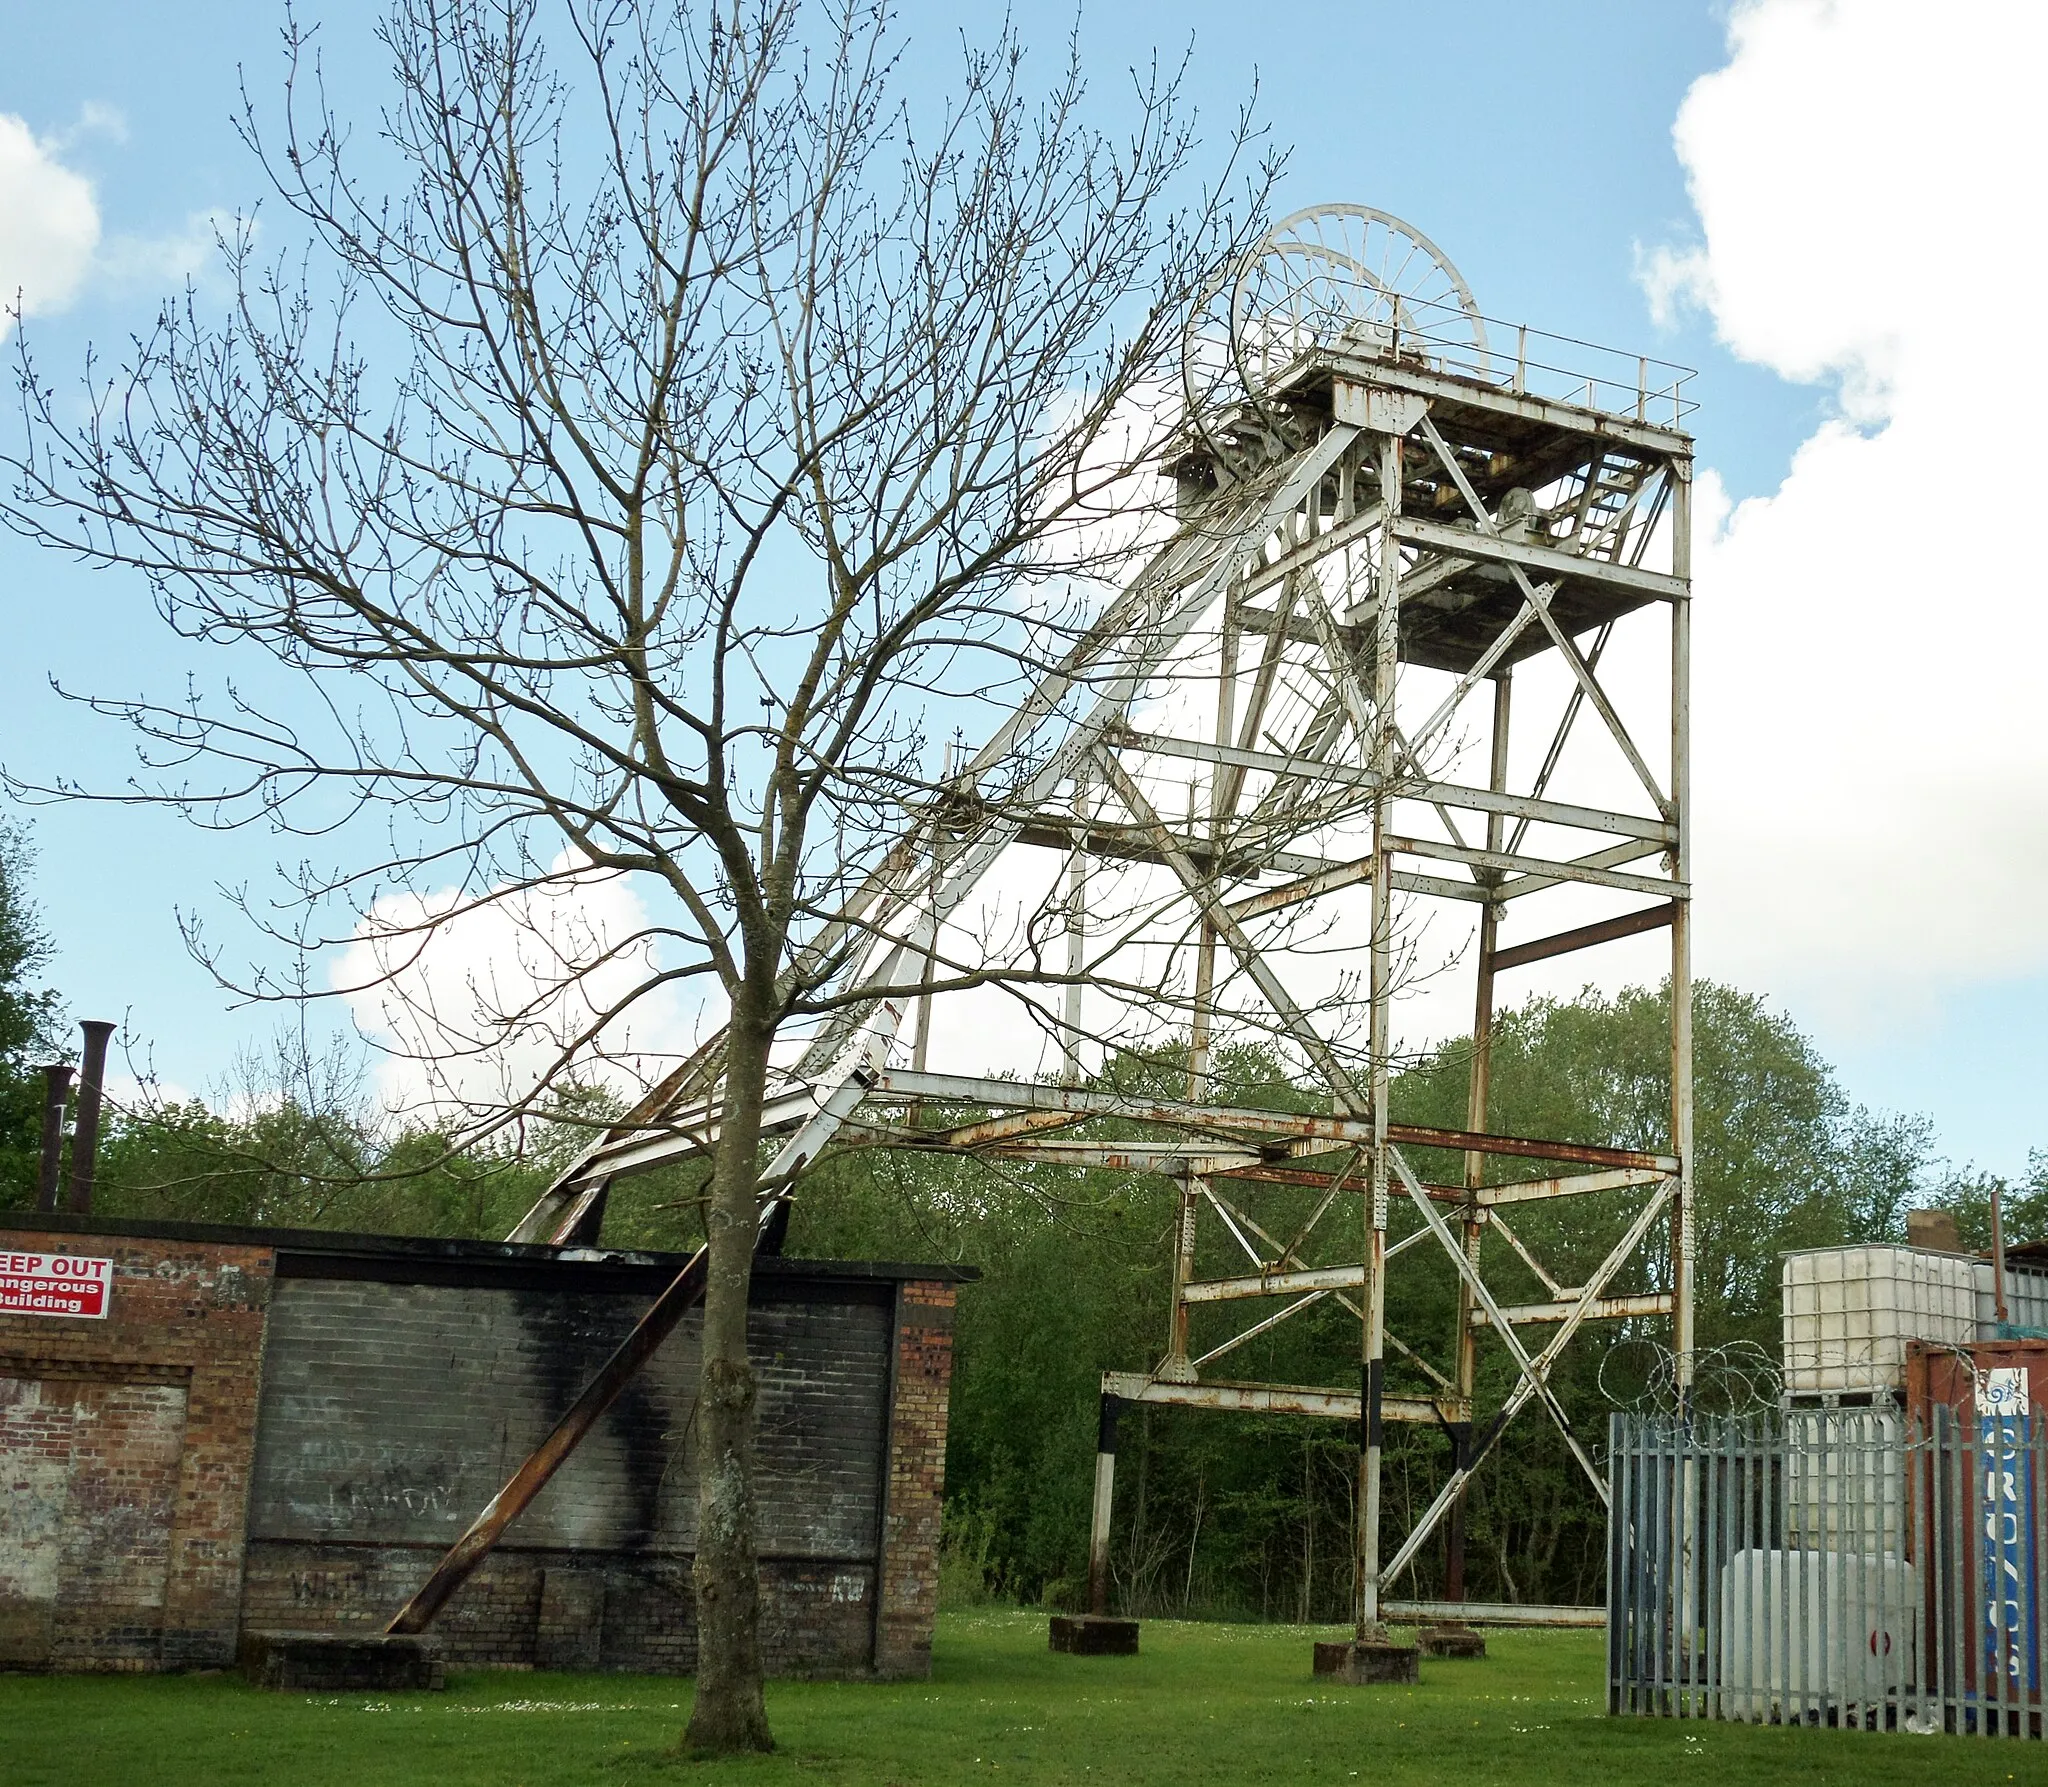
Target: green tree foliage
(28, 1019)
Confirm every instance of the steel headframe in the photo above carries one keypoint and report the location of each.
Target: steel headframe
(1364, 557)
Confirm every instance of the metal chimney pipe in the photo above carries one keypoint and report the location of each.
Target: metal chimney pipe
(85, 1133)
(56, 1092)
(1998, 1259)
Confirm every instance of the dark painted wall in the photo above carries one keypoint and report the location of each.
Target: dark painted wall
(391, 1413)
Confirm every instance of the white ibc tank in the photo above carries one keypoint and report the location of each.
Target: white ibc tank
(1800, 1627)
(1849, 1312)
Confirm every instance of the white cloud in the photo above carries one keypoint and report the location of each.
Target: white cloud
(1869, 753)
(1674, 280)
(49, 225)
(96, 118)
(52, 240)
(472, 1002)
(156, 263)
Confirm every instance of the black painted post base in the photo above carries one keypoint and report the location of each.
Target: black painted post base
(1094, 1635)
(1366, 1662)
(1451, 1641)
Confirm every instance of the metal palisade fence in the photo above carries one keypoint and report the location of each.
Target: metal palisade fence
(1832, 1566)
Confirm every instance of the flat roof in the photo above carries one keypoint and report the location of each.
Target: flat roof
(334, 1253)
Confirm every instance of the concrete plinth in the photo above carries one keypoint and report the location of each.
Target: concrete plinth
(1094, 1635)
(317, 1661)
(1366, 1662)
(1451, 1641)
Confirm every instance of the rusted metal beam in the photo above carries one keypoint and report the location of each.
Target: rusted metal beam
(997, 1129)
(1524, 1191)
(1276, 1399)
(1267, 1174)
(1219, 1118)
(1629, 924)
(463, 1557)
(1597, 1309)
(1132, 1157)
(1497, 1613)
(1413, 1135)
(1277, 1283)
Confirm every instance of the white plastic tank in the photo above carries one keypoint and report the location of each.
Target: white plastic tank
(1849, 1312)
(1844, 1488)
(1799, 1628)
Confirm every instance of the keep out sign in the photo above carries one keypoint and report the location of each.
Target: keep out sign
(54, 1284)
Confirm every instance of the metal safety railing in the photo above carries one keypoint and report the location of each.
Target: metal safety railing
(1831, 1566)
(1516, 358)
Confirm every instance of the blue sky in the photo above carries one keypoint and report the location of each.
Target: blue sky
(1535, 144)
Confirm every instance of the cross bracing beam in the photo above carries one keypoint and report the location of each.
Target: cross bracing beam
(1540, 606)
(1356, 873)
(1122, 843)
(1451, 794)
(1351, 531)
(1535, 1380)
(1591, 873)
(1534, 1383)
(1539, 877)
(1232, 1342)
(1249, 957)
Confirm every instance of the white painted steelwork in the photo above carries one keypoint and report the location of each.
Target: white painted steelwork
(1385, 506)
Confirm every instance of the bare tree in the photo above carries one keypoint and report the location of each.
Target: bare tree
(652, 436)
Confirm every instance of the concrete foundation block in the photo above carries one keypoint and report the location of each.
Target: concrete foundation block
(347, 1662)
(1094, 1635)
(1367, 1662)
(1451, 1641)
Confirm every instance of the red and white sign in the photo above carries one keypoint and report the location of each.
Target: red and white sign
(54, 1284)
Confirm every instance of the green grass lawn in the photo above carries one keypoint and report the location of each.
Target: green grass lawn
(1204, 1703)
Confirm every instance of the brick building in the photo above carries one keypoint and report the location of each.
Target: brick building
(283, 1430)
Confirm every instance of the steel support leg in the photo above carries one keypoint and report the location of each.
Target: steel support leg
(1175, 1367)
(1682, 1220)
(1105, 1497)
(1478, 1099)
(1386, 657)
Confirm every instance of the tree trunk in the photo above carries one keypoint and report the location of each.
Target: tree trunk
(729, 1714)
